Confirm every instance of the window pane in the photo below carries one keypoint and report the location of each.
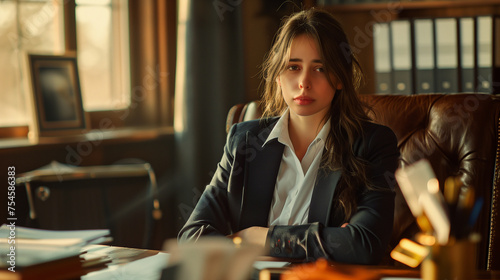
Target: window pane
(100, 43)
(93, 2)
(25, 26)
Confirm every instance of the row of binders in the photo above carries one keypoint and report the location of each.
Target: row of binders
(437, 55)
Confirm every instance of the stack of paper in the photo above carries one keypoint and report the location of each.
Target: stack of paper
(27, 253)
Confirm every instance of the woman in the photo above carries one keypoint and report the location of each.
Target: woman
(313, 182)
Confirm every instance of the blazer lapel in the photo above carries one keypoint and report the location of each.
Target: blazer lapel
(261, 170)
(322, 197)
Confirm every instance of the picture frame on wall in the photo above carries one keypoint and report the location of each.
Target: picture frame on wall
(57, 104)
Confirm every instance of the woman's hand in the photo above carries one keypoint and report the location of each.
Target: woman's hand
(253, 236)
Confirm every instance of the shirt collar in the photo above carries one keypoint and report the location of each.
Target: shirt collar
(280, 131)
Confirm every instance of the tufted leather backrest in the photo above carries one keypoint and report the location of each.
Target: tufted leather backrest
(457, 133)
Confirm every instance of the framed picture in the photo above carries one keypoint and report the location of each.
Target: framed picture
(57, 99)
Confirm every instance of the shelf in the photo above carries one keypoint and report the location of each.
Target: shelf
(94, 136)
(358, 20)
(410, 5)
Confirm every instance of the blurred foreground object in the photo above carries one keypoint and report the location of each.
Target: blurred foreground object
(210, 258)
(322, 270)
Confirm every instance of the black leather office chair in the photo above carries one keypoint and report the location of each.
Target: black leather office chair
(458, 133)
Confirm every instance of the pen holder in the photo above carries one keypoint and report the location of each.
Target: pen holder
(455, 261)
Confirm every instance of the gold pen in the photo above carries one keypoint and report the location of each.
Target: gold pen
(451, 190)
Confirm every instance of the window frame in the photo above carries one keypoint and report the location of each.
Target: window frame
(152, 48)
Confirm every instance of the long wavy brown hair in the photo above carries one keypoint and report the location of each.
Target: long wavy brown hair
(347, 112)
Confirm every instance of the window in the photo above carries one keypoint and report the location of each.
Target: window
(28, 26)
(37, 26)
(101, 28)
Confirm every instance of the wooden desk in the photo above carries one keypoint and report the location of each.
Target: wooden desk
(388, 273)
(111, 262)
(129, 263)
(415, 273)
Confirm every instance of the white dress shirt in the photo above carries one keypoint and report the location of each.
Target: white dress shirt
(296, 179)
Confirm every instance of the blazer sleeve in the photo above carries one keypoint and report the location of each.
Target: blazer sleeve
(366, 238)
(211, 215)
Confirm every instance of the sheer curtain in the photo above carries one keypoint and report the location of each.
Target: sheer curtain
(209, 80)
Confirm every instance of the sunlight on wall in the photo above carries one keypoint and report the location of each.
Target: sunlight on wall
(179, 112)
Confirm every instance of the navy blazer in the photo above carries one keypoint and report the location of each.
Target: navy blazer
(241, 191)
